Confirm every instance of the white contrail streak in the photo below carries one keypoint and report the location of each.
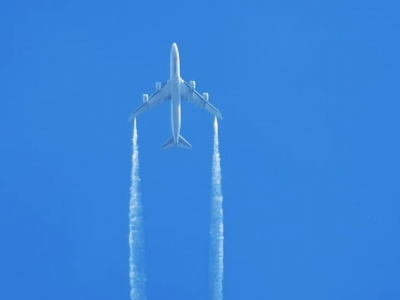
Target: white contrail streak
(136, 255)
(217, 224)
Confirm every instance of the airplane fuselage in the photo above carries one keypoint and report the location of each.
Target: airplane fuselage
(175, 83)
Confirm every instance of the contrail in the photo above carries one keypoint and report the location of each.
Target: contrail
(217, 224)
(136, 255)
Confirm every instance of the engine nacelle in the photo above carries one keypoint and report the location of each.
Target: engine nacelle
(206, 96)
(145, 98)
(193, 85)
(158, 86)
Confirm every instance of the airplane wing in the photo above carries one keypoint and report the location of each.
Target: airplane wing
(193, 96)
(159, 96)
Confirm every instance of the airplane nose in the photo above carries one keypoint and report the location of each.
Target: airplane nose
(174, 51)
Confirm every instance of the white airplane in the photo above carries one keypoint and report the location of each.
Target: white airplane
(175, 89)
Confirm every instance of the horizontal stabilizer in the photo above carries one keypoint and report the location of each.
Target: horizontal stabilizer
(168, 144)
(181, 143)
(184, 143)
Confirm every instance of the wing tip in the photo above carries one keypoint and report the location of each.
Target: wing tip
(131, 118)
(218, 115)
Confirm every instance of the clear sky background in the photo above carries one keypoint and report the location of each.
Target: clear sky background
(309, 91)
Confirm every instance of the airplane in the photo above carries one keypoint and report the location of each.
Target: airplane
(175, 89)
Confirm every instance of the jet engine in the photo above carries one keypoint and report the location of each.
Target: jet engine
(205, 96)
(193, 85)
(158, 86)
(145, 98)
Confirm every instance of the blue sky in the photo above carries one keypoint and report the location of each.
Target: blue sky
(309, 147)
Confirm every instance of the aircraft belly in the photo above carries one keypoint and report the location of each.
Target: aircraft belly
(175, 112)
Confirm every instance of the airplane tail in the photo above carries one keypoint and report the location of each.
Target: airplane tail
(181, 143)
